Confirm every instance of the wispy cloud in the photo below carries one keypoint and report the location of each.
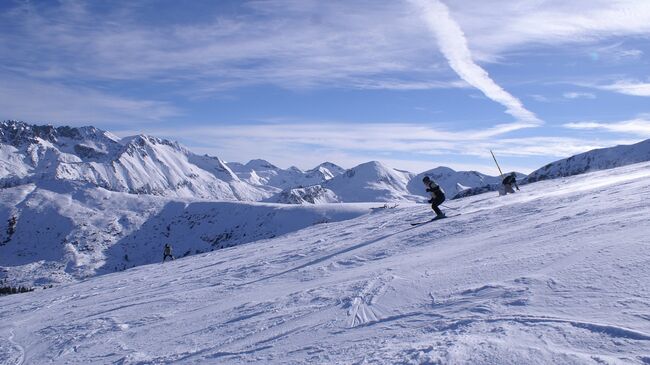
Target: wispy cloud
(286, 43)
(30, 100)
(299, 44)
(553, 146)
(616, 52)
(495, 27)
(638, 126)
(579, 95)
(628, 88)
(540, 98)
(454, 47)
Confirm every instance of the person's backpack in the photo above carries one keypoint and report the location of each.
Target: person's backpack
(435, 188)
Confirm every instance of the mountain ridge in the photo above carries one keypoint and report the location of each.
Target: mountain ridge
(594, 160)
(143, 164)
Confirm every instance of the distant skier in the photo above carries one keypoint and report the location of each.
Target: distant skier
(508, 182)
(437, 196)
(167, 252)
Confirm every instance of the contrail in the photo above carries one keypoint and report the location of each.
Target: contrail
(453, 46)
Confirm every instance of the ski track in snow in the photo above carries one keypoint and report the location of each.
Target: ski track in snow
(15, 354)
(556, 273)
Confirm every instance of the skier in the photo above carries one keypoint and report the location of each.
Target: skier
(437, 196)
(508, 182)
(167, 252)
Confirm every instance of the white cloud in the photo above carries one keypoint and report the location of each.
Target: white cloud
(292, 44)
(615, 52)
(628, 88)
(579, 95)
(552, 146)
(498, 26)
(453, 45)
(298, 44)
(540, 98)
(638, 126)
(629, 53)
(36, 101)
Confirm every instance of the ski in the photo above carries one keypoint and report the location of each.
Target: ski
(434, 219)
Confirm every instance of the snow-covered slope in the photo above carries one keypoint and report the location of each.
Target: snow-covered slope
(557, 274)
(451, 181)
(60, 232)
(598, 159)
(371, 181)
(138, 165)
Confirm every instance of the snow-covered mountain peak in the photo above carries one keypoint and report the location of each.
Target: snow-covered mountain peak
(19, 134)
(263, 173)
(370, 181)
(259, 164)
(40, 143)
(143, 140)
(441, 171)
(139, 164)
(325, 171)
(331, 167)
(370, 169)
(374, 172)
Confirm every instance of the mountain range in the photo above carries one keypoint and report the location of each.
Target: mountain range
(149, 165)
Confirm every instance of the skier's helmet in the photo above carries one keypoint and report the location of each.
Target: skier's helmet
(426, 179)
(513, 174)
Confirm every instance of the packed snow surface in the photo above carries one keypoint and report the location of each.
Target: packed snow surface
(558, 273)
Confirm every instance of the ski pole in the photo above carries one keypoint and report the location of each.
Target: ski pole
(495, 161)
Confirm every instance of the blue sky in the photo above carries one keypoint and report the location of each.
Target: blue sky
(412, 83)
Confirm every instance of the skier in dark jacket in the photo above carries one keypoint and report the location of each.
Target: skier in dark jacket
(437, 195)
(508, 182)
(167, 252)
